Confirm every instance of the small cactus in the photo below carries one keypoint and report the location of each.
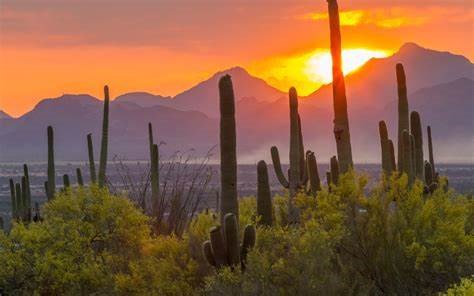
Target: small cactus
(385, 148)
(223, 248)
(80, 181)
(105, 139)
(264, 198)
(51, 170)
(90, 149)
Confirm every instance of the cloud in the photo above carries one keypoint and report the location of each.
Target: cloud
(384, 18)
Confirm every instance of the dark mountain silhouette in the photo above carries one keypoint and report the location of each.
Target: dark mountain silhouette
(262, 115)
(4, 115)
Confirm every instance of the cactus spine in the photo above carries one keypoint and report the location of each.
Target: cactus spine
(385, 148)
(51, 170)
(264, 198)
(416, 131)
(80, 181)
(341, 119)
(90, 149)
(105, 136)
(224, 250)
(228, 153)
(403, 116)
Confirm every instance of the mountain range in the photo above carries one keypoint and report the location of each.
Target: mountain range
(440, 87)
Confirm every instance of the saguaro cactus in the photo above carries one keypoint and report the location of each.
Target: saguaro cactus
(80, 181)
(18, 198)
(393, 161)
(406, 165)
(416, 131)
(228, 146)
(51, 170)
(403, 116)
(105, 139)
(385, 148)
(334, 170)
(13, 198)
(264, 198)
(155, 179)
(341, 119)
(430, 151)
(313, 174)
(66, 182)
(28, 189)
(223, 247)
(90, 149)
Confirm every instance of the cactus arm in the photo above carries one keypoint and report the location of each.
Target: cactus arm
(207, 252)
(264, 199)
(218, 246)
(229, 203)
(90, 149)
(24, 199)
(393, 161)
(302, 161)
(247, 243)
(231, 232)
(406, 166)
(277, 167)
(105, 139)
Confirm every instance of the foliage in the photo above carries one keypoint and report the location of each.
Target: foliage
(465, 287)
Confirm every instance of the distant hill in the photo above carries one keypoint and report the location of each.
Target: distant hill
(4, 115)
(440, 88)
(143, 99)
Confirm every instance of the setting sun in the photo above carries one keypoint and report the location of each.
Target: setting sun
(319, 65)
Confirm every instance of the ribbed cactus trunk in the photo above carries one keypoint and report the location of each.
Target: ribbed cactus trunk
(90, 149)
(403, 113)
(393, 160)
(28, 190)
(18, 198)
(385, 148)
(264, 198)
(228, 149)
(51, 190)
(430, 151)
(105, 139)
(295, 150)
(417, 132)
(341, 119)
(406, 165)
(334, 163)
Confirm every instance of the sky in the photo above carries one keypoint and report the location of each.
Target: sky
(52, 47)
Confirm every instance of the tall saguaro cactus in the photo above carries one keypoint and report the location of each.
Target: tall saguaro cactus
(105, 139)
(51, 170)
(228, 146)
(407, 162)
(295, 141)
(90, 149)
(430, 151)
(416, 131)
(341, 119)
(403, 113)
(385, 148)
(155, 179)
(264, 198)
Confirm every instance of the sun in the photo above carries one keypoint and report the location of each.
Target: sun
(319, 65)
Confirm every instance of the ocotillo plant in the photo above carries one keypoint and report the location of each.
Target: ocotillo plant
(105, 139)
(264, 198)
(416, 131)
(223, 248)
(90, 149)
(51, 190)
(229, 203)
(80, 181)
(341, 119)
(403, 113)
(313, 174)
(385, 149)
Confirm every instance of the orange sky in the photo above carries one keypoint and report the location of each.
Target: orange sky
(48, 48)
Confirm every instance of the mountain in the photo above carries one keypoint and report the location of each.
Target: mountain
(374, 84)
(442, 91)
(143, 99)
(4, 115)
